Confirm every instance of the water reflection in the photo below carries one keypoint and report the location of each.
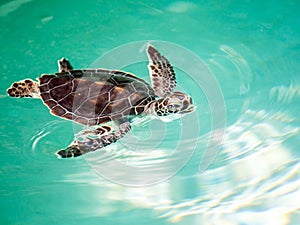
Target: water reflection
(255, 179)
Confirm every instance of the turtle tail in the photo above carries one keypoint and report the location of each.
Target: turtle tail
(24, 88)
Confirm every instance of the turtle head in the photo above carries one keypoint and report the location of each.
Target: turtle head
(176, 103)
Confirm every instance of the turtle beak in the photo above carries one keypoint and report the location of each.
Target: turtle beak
(189, 109)
(188, 106)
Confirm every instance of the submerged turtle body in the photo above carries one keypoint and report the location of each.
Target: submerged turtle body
(94, 97)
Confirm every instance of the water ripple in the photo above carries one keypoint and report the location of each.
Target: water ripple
(48, 139)
(255, 170)
(256, 174)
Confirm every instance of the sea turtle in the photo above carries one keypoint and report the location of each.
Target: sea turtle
(100, 97)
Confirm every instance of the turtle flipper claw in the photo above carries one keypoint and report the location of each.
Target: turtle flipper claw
(71, 152)
(103, 135)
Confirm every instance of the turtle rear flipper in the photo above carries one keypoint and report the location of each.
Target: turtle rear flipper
(93, 140)
(64, 65)
(24, 88)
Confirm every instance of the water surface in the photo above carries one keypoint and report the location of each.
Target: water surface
(251, 47)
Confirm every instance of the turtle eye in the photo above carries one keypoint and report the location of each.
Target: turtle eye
(172, 108)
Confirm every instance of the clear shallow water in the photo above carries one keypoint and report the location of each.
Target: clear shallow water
(253, 50)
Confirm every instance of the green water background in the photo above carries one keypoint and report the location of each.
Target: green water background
(36, 188)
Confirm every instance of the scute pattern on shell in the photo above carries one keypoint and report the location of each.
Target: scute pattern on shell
(94, 96)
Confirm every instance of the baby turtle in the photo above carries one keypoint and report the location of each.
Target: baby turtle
(99, 97)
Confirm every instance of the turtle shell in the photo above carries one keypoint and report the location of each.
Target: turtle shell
(93, 97)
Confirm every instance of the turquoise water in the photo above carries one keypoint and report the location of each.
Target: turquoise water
(253, 50)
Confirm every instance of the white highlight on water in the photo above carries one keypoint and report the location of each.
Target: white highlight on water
(11, 6)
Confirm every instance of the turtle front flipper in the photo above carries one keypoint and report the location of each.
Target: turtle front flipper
(64, 65)
(93, 140)
(161, 72)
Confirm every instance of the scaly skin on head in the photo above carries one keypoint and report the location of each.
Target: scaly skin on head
(176, 103)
